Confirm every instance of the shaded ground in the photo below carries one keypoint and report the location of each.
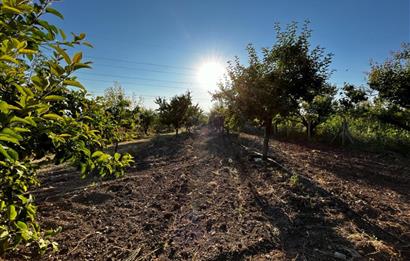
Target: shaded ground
(204, 197)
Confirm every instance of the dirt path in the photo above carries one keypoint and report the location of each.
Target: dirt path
(202, 197)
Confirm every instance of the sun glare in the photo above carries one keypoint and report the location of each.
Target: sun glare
(210, 73)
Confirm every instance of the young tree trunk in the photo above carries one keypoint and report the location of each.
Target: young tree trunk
(309, 129)
(176, 131)
(116, 147)
(287, 129)
(344, 133)
(275, 128)
(268, 130)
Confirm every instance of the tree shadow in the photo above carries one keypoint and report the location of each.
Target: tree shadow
(225, 146)
(262, 247)
(372, 169)
(58, 181)
(307, 218)
(159, 150)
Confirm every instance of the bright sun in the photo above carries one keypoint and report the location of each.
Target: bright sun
(210, 73)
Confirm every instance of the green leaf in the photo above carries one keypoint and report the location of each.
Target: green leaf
(19, 129)
(88, 44)
(97, 153)
(62, 53)
(40, 81)
(83, 168)
(52, 116)
(10, 9)
(21, 225)
(27, 120)
(81, 66)
(4, 234)
(63, 35)
(104, 157)
(10, 132)
(4, 152)
(26, 234)
(55, 246)
(27, 51)
(2, 206)
(54, 12)
(14, 154)
(8, 138)
(57, 69)
(5, 107)
(31, 210)
(8, 58)
(79, 37)
(21, 45)
(77, 57)
(21, 90)
(22, 198)
(74, 83)
(52, 232)
(54, 98)
(12, 213)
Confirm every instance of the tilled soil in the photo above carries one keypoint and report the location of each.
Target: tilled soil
(206, 197)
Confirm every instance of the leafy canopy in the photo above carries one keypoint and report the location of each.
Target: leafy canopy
(37, 118)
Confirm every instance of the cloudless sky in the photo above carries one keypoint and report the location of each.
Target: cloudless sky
(155, 48)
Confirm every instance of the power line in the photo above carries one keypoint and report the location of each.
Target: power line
(144, 85)
(134, 62)
(135, 78)
(142, 63)
(155, 96)
(134, 83)
(144, 70)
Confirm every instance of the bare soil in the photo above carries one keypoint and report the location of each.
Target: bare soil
(209, 197)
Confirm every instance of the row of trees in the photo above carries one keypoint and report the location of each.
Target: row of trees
(46, 111)
(119, 117)
(289, 82)
(42, 113)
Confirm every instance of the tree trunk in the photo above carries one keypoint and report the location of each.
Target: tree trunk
(176, 131)
(275, 128)
(268, 130)
(344, 132)
(309, 129)
(116, 147)
(287, 129)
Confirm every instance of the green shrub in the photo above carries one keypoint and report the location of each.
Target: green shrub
(33, 86)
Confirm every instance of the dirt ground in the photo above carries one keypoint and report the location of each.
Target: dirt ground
(208, 197)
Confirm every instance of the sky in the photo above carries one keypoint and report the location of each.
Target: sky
(166, 47)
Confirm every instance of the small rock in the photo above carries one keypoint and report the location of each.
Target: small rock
(340, 255)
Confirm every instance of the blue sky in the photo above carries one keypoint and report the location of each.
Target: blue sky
(155, 48)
